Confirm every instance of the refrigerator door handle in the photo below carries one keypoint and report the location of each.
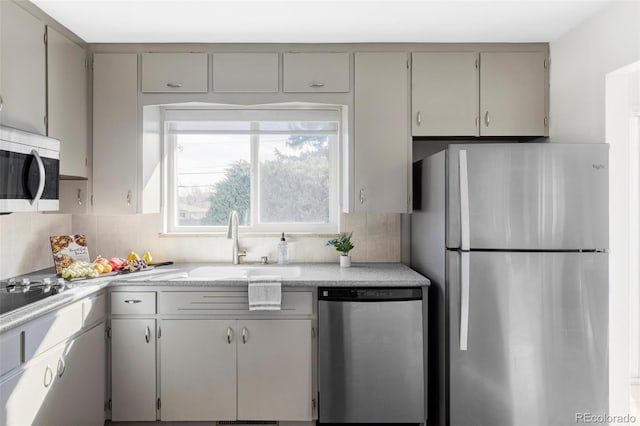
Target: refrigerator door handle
(464, 201)
(464, 300)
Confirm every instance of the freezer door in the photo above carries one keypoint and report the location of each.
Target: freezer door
(528, 196)
(536, 338)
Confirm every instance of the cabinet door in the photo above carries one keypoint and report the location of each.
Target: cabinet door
(67, 102)
(115, 133)
(274, 370)
(245, 72)
(26, 397)
(381, 132)
(513, 94)
(23, 76)
(198, 355)
(174, 72)
(444, 94)
(316, 72)
(133, 370)
(80, 381)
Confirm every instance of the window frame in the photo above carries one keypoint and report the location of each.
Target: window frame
(170, 206)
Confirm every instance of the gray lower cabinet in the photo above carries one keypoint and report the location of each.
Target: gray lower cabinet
(235, 369)
(65, 385)
(199, 355)
(133, 369)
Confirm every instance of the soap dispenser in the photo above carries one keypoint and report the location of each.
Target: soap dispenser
(283, 255)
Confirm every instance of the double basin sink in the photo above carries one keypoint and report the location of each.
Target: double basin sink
(225, 273)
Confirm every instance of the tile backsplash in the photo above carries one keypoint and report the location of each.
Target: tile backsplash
(376, 238)
(24, 240)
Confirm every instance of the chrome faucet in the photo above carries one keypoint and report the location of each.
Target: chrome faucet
(232, 233)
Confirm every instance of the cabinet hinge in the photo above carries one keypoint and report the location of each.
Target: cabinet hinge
(159, 404)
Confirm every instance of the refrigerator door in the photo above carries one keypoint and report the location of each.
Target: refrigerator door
(536, 328)
(527, 196)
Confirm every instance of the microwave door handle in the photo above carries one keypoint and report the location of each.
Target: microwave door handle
(41, 176)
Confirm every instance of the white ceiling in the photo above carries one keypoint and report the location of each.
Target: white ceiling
(318, 21)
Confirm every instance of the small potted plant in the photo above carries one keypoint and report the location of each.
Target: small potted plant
(344, 245)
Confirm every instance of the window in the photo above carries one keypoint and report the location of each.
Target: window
(277, 168)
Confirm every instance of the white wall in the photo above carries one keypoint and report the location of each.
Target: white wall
(580, 62)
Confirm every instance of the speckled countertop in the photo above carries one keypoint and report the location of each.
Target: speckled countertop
(216, 275)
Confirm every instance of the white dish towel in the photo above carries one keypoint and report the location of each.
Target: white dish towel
(265, 293)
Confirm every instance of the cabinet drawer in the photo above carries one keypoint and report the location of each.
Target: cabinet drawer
(52, 329)
(316, 72)
(9, 351)
(174, 72)
(229, 302)
(133, 303)
(94, 309)
(245, 72)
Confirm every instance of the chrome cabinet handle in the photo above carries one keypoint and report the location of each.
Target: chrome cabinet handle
(130, 301)
(61, 367)
(147, 334)
(362, 196)
(48, 377)
(419, 118)
(316, 84)
(245, 335)
(464, 300)
(229, 335)
(41, 176)
(79, 197)
(174, 85)
(487, 119)
(465, 226)
(129, 196)
(1, 102)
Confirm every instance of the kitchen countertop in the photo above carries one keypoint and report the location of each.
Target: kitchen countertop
(175, 276)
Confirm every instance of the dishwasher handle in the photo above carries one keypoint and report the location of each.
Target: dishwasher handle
(369, 294)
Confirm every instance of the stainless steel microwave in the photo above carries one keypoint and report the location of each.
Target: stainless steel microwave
(29, 171)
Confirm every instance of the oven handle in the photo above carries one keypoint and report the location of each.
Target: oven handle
(41, 177)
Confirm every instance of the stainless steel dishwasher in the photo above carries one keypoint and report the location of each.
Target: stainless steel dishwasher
(370, 355)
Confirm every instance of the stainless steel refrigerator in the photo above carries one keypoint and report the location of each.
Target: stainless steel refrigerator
(514, 238)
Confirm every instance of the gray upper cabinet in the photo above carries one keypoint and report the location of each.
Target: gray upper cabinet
(444, 89)
(316, 72)
(382, 143)
(115, 133)
(174, 72)
(487, 93)
(513, 94)
(23, 76)
(67, 102)
(245, 72)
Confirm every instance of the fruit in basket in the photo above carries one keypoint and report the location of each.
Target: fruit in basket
(117, 263)
(135, 265)
(79, 269)
(133, 256)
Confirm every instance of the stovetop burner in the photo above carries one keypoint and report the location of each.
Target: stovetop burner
(17, 294)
